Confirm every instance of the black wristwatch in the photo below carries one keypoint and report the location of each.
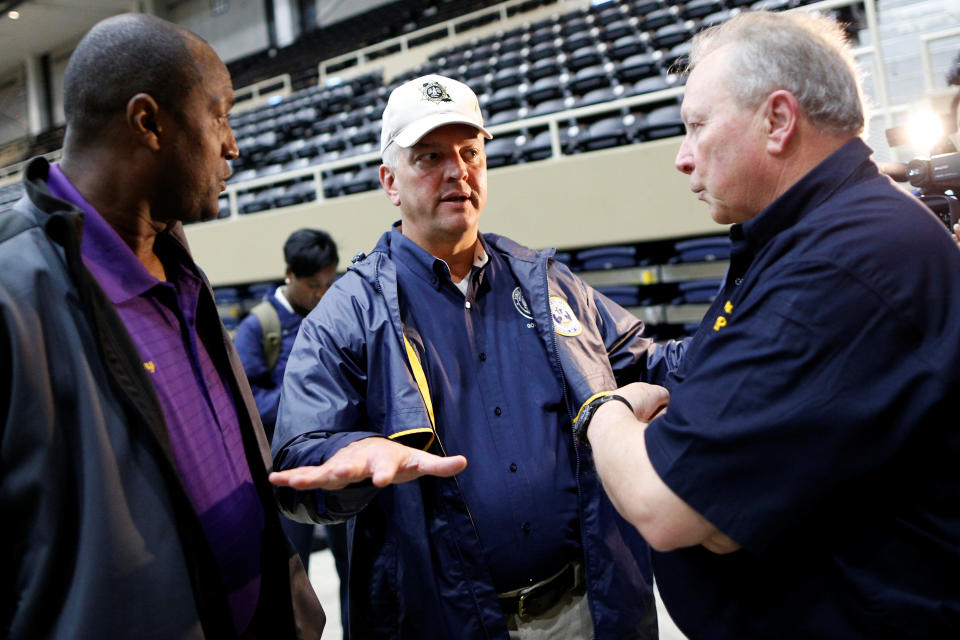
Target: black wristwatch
(586, 414)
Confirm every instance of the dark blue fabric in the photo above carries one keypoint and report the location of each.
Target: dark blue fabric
(816, 423)
(266, 383)
(417, 568)
(499, 404)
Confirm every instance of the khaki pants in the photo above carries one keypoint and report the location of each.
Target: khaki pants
(569, 619)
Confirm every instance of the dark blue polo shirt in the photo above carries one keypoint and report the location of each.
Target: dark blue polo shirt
(498, 402)
(814, 421)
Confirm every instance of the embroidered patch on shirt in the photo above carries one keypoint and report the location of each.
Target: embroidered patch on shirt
(721, 321)
(521, 304)
(564, 322)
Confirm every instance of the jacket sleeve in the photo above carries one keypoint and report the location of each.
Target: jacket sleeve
(322, 407)
(634, 356)
(249, 343)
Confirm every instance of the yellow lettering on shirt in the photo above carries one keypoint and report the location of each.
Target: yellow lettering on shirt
(149, 366)
(720, 323)
(728, 308)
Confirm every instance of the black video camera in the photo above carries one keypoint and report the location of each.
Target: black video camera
(938, 179)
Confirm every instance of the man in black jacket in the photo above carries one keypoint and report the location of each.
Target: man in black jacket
(132, 461)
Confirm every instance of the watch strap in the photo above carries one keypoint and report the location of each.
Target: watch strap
(589, 408)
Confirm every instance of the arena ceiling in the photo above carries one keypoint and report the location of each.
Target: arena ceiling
(44, 25)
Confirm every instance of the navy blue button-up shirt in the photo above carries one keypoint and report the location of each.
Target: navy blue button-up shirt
(498, 402)
(814, 421)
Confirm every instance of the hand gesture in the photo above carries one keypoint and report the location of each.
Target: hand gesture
(381, 460)
(648, 400)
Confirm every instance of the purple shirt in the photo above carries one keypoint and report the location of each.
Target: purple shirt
(198, 407)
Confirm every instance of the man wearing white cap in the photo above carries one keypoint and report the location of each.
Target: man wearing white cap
(445, 345)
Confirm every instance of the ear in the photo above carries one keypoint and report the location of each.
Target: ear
(388, 180)
(143, 119)
(781, 113)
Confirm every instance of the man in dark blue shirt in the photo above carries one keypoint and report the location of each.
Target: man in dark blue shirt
(802, 482)
(446, 345)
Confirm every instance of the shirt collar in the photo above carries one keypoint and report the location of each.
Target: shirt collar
(282, 299)
(428, 267)
(118, 271)
(804, 196)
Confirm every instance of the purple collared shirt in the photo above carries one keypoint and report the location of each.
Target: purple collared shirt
(198, 406)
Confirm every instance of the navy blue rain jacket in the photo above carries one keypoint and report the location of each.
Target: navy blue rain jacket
(417, 569)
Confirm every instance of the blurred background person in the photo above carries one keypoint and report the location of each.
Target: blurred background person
(264, 340)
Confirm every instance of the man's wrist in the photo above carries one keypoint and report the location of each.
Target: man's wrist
(588, 411)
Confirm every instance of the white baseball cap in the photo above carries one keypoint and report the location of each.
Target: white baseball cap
(423, 104)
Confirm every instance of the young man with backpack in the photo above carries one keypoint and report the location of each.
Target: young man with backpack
(265, 337)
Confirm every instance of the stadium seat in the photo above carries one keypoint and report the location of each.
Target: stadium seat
(538, 148)
(548, 66)
(598, 96)
(641, 65)
(506, 98)
(641, 8)
(675, 60)
(366, 179)
(508, 115)
(297, 193)
(547, 88)
(584, 57)
(579, 40)
(606, 14)
(673, 34)
(772, 5)
(501, 151)
(602, 258)
(506, 76)
(608, 132)
(700, 8)
(662, 122)
(648, 85)
(622, 27)
(589, 78)
(626, 46)
(550, 106)
(660, 18)
(546, 34)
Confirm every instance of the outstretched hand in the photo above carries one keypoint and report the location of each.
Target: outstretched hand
(381, 460)
(956, 233)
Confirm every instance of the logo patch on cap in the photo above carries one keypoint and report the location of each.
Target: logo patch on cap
(564, 322)
(435, 92)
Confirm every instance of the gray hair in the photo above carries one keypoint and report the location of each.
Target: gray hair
(805, 54)
(391, 155)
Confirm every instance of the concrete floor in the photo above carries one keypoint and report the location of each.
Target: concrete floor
(323, 577)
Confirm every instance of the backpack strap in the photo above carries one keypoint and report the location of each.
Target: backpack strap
(272, 333)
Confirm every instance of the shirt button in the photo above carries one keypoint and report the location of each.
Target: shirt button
(483, 357)
(466, 304)
(513, 467)
(526, 527)
(497, 411)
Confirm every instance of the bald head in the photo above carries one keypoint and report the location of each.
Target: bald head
(122, 56)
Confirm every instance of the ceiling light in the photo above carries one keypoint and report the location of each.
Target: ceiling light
(14, 15)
